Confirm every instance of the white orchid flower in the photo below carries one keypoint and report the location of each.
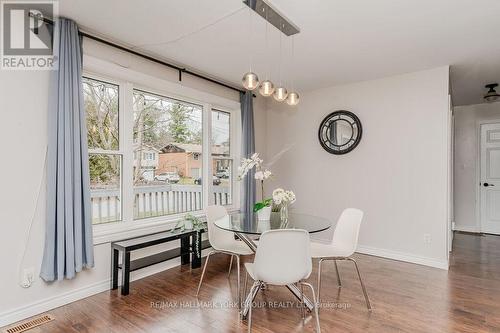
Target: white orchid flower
(259, 175)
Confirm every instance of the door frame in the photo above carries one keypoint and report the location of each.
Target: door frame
(479, 123)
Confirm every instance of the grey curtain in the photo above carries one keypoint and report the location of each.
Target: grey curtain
(68, 236)
(248, 148)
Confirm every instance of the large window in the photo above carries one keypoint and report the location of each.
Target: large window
(153, 156)
(172, 130)
(102, 109)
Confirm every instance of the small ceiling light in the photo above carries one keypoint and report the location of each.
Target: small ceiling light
(250, 81)
(292, 99)
(280, 94)
(491, 95)
(266, 88)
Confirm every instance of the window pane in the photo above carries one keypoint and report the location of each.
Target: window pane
(101, 106)
(221, 134)
(221, 164)
(222, 181)
(105, 189)
(167, 166)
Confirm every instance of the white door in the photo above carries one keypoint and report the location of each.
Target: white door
(490, 178)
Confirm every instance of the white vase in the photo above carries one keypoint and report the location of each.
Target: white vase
(264, 214)
(263, 225)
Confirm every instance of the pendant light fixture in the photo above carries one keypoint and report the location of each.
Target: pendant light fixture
(266, 88)
(293, 97)
(280, 94)
(250, 80)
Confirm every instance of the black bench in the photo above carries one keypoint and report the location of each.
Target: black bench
(191, 246)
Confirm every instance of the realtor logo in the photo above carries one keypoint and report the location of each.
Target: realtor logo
(27, 36)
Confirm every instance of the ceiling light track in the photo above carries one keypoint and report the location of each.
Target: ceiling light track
(273, 16)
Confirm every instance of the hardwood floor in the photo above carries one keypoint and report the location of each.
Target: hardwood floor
(405, 298)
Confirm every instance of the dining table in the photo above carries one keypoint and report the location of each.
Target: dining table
(247, 227)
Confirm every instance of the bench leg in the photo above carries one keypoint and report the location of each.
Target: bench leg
(185, 255)
(196, 256)
(126, 273)
(114, 268)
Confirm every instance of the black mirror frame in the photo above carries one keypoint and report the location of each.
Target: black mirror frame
(356, 140)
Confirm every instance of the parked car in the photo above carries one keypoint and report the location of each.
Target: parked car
(222, 174)
(168, 177)
(216, 181)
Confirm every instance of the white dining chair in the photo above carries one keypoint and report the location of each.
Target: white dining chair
(283, 257)
(223, 241)
(342, 247)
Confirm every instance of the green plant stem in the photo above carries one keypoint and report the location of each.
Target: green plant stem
(262, 189)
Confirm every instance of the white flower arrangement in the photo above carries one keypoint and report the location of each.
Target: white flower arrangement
(280, 196)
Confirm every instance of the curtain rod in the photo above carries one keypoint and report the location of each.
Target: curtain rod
(150, 58)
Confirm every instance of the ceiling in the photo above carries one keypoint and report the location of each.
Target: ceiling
(341, 41)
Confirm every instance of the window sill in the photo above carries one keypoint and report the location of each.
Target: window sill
(111, 232)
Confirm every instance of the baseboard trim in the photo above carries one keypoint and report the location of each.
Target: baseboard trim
(473, 229)
(47, 304)
(394, 255)
(50, 303)
(402, 256)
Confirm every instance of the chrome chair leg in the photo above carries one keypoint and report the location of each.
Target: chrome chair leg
(203, 272)
(319, 278)
(256, 284)
(367, 300)
(302, 304)
(245, 284)
(338, 274)
(238, 276)
(230, 266)
(315, 301)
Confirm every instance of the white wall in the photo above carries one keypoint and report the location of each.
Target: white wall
(23, 103)
(467, 119)
(398, 173)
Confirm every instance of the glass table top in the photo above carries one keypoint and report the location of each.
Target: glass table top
(240, 223)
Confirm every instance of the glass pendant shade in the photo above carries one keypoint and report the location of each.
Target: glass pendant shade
(266, 88)
(280, 94)
(292, 99)
(250, 81)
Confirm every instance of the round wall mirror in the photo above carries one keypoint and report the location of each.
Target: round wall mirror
(340, 132)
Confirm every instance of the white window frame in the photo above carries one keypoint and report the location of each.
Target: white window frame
(128, 80)
(120, 150)
(234, 154)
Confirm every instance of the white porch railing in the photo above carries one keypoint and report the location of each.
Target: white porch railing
(154, 200)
